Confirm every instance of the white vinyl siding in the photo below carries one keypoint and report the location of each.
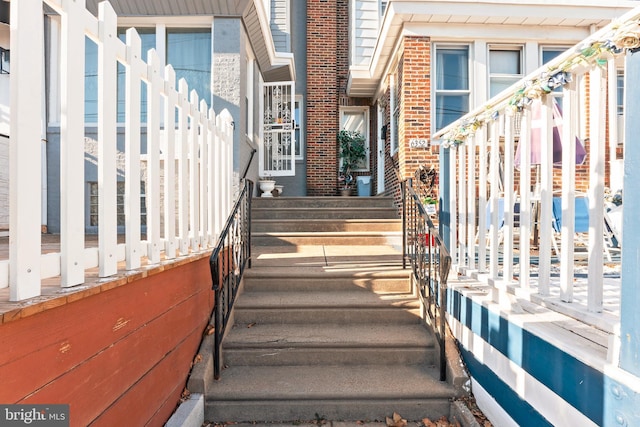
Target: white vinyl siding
(280, 25)
(365, 18)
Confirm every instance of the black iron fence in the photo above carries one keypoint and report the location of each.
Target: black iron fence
(228, 261)
(426, 251)
(430, 262)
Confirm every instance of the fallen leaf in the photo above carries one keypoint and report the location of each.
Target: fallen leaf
(428, 423)
(250, 325)
(209, 330)
(197, 359)
(396, 421)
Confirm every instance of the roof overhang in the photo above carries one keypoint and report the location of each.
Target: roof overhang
(275, 66)
(478, 19)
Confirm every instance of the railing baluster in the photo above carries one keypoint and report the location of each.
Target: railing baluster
(525, 199)
(570, 107)
(509, 199)
(482, 200)
(598, 98)
(471, 204)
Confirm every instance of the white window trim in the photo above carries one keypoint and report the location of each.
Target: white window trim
(470, 73)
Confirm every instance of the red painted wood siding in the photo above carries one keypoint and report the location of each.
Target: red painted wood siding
(119, 357)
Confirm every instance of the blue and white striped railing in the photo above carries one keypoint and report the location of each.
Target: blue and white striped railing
(482, 148)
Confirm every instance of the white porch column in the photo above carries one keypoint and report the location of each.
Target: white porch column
(630, 293)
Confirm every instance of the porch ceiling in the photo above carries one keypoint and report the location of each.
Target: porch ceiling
(275, 66)
(174, 8)
(456, 14)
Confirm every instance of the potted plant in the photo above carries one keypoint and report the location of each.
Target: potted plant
(267, 185)
(352, 151)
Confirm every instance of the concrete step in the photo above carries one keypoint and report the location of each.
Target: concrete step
(321, 202)
(328, 344)
(326, 225)
(290, 393)
(391, 280)
(393, 238)
(365, 212)
(326, 307)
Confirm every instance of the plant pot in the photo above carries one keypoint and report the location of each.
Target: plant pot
(267, 186)
(277, 192)
(345, 192)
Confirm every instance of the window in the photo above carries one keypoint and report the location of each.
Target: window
(189, 51)
(383, 7)
(148, 39)
(505, 68)
(91, 82)
(4, 61)
(549, 53)
(452, 84)
(93, 204)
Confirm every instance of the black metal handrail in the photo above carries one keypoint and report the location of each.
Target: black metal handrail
(430, 262)
(430, 259)
(227, 262)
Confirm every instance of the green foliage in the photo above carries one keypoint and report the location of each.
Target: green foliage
(352, 150)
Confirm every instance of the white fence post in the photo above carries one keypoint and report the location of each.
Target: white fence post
(170, 163)
(194, 193)
(72, 185)
(25, 174)
(204, 170)
(183, 167)
(107, 140)
(153, 156)
(135, 69)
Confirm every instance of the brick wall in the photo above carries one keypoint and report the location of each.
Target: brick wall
(322, 97)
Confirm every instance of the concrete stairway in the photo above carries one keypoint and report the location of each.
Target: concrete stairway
(327, 324)
(325, 220)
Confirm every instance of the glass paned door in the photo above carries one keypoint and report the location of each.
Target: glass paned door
(277, 147)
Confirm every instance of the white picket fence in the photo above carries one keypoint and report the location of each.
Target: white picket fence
(482, 145)
(188, 166)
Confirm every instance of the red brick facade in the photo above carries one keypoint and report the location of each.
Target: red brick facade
(322, 96)
(327, 71)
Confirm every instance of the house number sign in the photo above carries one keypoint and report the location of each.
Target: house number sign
(418, 143)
